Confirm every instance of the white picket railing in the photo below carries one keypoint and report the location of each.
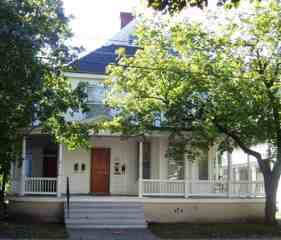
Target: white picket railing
(40, 185)
(204, 188)
(176, 188)
(207, 188)
(158, 187)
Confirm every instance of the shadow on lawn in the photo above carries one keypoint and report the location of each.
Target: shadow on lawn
(223, 230)
(32, 230)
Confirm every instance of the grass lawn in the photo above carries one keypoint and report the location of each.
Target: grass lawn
(32, 231)
(224, 230)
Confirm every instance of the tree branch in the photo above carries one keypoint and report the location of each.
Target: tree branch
(264, 167)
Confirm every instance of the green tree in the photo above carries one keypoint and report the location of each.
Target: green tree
(174, 6)
(219, 80)
(33, 91)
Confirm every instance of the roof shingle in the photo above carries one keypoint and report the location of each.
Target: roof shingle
(97, 61)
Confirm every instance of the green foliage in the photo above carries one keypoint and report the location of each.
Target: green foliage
(174, 6)
(33, 91)
(218, 79)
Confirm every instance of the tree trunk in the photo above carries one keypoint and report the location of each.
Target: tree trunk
(270, 210)
(270, 185)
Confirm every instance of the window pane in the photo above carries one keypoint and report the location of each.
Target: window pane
(96, 93)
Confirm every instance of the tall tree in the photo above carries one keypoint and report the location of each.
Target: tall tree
(33, 91)
(219, 79)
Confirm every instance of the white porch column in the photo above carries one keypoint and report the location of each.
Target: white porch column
(12, 177)
(22, 176)
(254, 173)
(217, 166)
(229, 173)
(211, 162)
(140, 167)
(59, 166)
(254, 179)
(186, 177)
(237, 174)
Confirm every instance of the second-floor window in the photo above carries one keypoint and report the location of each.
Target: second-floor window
(96, 96)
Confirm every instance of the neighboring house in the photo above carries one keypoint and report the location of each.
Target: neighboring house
(245, 167)
(131, 170)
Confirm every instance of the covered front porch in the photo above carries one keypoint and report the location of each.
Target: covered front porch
(119, 166)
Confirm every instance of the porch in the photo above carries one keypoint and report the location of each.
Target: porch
(133, 168)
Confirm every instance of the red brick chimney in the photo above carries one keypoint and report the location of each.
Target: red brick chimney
(126, 18)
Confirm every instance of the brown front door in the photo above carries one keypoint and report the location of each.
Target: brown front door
(50, 162)
(100, 170)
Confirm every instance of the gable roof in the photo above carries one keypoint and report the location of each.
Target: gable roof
(97, 61)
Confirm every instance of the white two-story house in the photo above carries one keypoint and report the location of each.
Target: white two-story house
(126, 169)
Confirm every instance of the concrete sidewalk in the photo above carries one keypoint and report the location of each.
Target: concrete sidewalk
(111, 234)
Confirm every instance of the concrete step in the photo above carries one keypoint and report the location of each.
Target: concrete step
(105, 215)
(103, 221)
(104, 204)
(98, 210)
(101, 209)
(116, 226)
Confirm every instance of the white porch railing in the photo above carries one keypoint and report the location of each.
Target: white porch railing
(207, 188)
(204, 188)
(40, 185)
(157, 187)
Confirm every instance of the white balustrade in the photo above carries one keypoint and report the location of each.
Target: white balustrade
(208, 188)
(156, 187)
(40, 185)
(204, 188)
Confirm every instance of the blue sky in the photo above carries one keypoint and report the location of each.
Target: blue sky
(96, 20)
